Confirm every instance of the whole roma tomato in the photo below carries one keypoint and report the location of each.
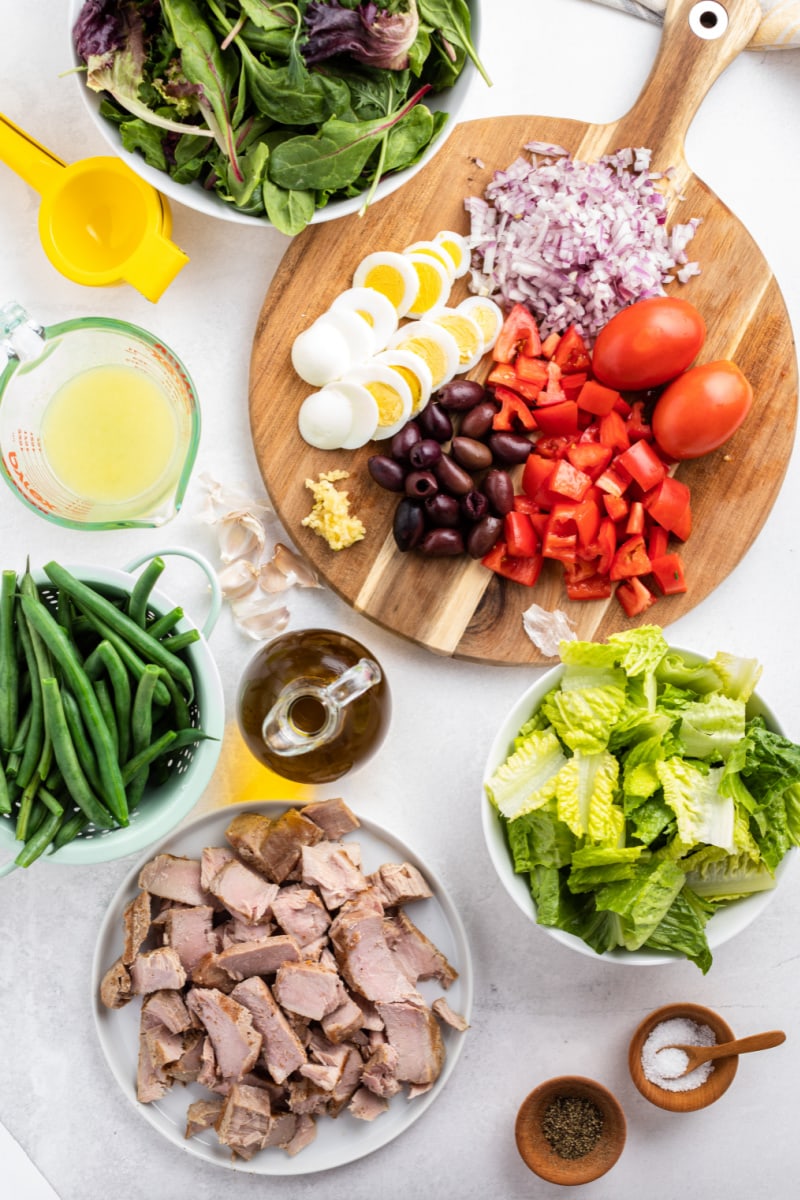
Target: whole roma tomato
(648, 343)
(701, 409)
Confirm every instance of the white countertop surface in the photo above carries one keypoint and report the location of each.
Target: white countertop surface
(540, 1009)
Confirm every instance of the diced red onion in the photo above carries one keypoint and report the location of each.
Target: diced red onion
(576, 241)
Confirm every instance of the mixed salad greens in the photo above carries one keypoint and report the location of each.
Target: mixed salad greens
(643, 795)
(278, 107)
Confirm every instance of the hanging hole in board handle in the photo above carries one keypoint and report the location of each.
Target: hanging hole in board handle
(708, 20)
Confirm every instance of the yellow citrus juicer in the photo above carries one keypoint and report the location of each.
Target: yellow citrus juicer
(99, 223)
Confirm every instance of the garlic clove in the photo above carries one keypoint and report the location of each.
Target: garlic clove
(238, 579)
(240, 534)
(260, 620)
(271, 579)
(290, 563)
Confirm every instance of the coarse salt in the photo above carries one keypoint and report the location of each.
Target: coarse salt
(661, 1064)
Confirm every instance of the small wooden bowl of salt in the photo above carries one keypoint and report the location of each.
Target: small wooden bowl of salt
(655, 1064)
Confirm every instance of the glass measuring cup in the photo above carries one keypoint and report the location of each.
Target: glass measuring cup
(41, 364)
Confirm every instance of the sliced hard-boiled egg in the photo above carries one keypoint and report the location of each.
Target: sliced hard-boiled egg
(457, 247)
(437, 252)
(355, 330)
(434, 284)
(392, 275)
(416, 373)
(374, 308)
(390, 392)
(435, 346)
(467, 333)
(325, 418)
(365, 414)
(321, 354)
(486, 314)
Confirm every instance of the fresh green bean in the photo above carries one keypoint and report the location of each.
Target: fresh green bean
(142, 729)
(83, 747)
(40, 840)
(25, 809)
(164, 624)
(121, 689)
(140, 592)
(81, 687)
(67, 758)
(101, 690)
(70, 830)
(133, 662)
(65, 614)
(9, 667)
(146, 756)
(35, 736)
(50, 802)
(5, 791)
(88, 600)
(180, 641)
(16, 751)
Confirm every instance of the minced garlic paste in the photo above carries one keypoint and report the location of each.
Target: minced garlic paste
(330, 517)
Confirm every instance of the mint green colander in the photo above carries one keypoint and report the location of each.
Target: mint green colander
(190, 768)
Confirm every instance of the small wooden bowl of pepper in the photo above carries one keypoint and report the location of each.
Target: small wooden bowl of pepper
(570, 1130)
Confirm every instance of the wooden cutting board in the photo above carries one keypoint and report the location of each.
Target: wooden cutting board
(455, 606)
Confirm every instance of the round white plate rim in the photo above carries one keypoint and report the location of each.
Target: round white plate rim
(276, 1162)
(722, 926)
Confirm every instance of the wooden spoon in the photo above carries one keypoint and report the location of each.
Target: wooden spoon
(697, 1055)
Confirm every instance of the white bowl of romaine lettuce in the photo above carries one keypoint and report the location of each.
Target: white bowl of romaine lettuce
(640, 801)
(270, 113)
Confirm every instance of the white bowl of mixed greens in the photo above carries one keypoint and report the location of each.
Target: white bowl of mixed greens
(640, 801)
(262, 112)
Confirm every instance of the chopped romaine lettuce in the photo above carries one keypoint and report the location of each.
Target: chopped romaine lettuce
(527, 779)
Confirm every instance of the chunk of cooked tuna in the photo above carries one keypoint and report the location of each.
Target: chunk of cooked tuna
(301, 913)
(212, 860)
(417, 955)
(156, 969)
(158, 1047)
(136, 921)
(349, 1079)
(230, 1027)
(309, 989)
(202, 1114)
(166, 1007)
(333, 816)
(243, 892)
(272, 847)
(282, 1130)
(263, 957)
(187, 1068)
(400, 883)
(173, 878)
(363, 954)
(232, 932)
(208, 974)
(281, 1050)
(304, 1134)
(324, 1075)
(344, 1021)
(115, 986)
(189, 932)
(366, 1105)
(414, 1032)
(445, 1013)
(245, 1120)
(329, 867)
(380, 1071)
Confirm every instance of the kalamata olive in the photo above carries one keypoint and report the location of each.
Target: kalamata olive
(499, 491)
(483, 535)
(453, 478)
(510, 447)
(387, 472)
(424, 454)
(460, 394)
(478, 421)
(435, 423)
(409, 524)
(420, 484)
(474, 505)
(442, 543)
(471, 454)
(442, 510)
(403, 440)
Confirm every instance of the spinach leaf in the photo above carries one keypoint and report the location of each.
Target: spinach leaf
(246, 193)
(192, 154)
(453, 21)
(141, 135)
(405, 140)
(289, 210)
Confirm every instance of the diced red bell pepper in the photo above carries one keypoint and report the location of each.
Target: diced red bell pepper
(560, 539)
(519, 570)
(568, 481)
(613, 432)
(586, 516)
(572, 384)
(519, 335)
(668, 502)
(635, 521)
(524, 504)
(571, 353)
(513, 411)
(594, 587)
(590, 457)
(534, 370)
(638, 426)
(596, 399)
(668, 573)
(535, 473)
(553, 393)
(613, 483)
(634, 597)
(617, 507)
(657, 541)
(622, 407)
(550, 345)
(630, 559)
(604, 545)
(504, 374)
(642, 464)
(558, 420)
(553, 447)
(683, 526)
(520, 536)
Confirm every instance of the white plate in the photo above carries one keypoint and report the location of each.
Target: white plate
(720, 928)
(338, 1141)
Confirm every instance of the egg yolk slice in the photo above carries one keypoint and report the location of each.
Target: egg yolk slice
(434, 284)
(467, 334)
(487, 315)
(392, 275)
(457, 248)
(415, 371)
(437, 252)
(390, 392)
(435, 346)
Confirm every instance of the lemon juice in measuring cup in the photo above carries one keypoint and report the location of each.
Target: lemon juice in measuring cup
(99, 422)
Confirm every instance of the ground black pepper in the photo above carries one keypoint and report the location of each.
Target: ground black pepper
(572, 1125)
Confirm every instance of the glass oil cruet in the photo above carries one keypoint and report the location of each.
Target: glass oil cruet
(313, 704)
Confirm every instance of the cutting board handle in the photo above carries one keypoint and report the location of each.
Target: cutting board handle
(699, 40)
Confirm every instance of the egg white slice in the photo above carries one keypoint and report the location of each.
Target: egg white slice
(435, 346)
(321, 354)
(467, 333)
(325, 418)
(355, 331)
(374, 308)
(416, 373)
(434, 284)
(487, 314)
(365, 413)
(390, 392)
(456, 247)
(392, 275)
(437, 252)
